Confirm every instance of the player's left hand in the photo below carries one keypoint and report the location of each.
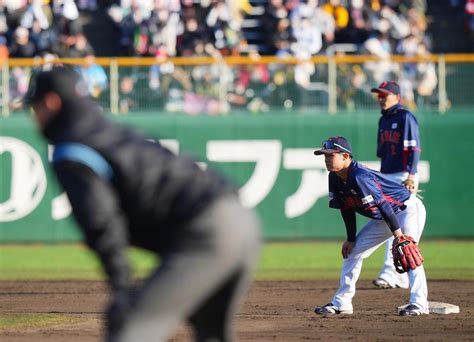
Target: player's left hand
(409, 183)
(406, 254)
(347, 248)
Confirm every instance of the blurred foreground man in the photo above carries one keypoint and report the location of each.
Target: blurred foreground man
(128, 191)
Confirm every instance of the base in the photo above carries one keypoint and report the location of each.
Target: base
(437, 308)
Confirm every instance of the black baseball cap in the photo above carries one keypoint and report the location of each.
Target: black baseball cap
(387, 87)
(335, 145)
(61, 80)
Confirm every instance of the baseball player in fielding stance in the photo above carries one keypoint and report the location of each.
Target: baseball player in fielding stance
(128, 191)
(398, 146)
(393, 210)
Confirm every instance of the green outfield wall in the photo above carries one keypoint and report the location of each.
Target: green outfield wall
(268, 157)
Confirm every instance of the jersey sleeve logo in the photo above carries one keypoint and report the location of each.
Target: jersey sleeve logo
(331, 196)
(409, 143)
(367, 200)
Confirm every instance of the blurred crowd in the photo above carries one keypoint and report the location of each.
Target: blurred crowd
(370, 27)
(32, 28)
(166, 28)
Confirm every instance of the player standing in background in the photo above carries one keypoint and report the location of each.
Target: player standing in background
(398, 146)
(393, 211)
(128, 191)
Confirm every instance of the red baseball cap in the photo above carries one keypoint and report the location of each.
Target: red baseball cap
(387, 87)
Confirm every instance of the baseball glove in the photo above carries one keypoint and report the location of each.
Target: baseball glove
(406, 254)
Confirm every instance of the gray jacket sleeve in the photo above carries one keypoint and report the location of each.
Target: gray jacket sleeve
(96, 209)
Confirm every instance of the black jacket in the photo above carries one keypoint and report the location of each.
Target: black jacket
(150, 195)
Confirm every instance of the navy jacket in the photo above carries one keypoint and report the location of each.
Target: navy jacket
(125, 189)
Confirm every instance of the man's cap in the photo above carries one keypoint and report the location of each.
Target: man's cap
(61, 80)
(335, 145)
(387, 87)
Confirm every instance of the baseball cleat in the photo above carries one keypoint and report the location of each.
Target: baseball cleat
(411, 310)
(382, 284)
(330, 309)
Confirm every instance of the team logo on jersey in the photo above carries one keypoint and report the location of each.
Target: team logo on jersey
(331, 195)
(367, 200)
(390, 136)
(394, 125)
(353, 192)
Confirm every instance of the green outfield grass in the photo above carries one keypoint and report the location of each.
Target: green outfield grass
(279, 261)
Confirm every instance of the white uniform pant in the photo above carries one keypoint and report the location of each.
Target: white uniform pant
(388, 272)
(375, 233)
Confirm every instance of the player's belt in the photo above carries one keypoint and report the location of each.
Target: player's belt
(401, 208)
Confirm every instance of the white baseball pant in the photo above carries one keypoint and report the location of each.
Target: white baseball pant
(375, 233)
(388, 272)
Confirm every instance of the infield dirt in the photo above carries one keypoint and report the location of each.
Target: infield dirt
(273, 311)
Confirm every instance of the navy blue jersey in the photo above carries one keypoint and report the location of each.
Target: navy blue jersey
(364, 190)
(398, 143)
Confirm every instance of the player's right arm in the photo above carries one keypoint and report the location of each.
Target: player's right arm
(349, 218)
(348, 215)
(97, 211)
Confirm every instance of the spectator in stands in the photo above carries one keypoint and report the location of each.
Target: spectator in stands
(379, 45)
(67, 17)
(308, 37)
(359, 27)
(37, 11)
(398, 26)
(22, 46)
(158, 70)
(128, 96)
(275, 12)
(19, 79)
(45, 40)
(87, 5)
(418, 23)
(194, 32)
(340, 14)
(67, 23)
(426, 77)
(319, 18)
(351, 83)
(163, 26)
(94, 75)
(408, 47)
(81, 47)
(224, 28)
(3, 49)
(419, 5)
(238, 9)
(130, 30)
(280, 41)
(469, 10)
(4, 15)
